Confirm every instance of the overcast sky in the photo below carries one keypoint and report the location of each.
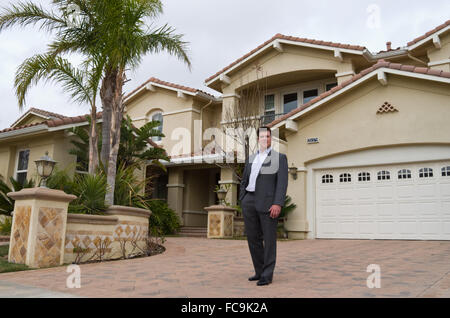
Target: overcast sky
(219, 32)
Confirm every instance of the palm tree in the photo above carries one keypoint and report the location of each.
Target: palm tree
(115, 31)
(82, 84)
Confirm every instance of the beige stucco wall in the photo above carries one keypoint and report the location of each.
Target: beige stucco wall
(56, 143)
(350, 123)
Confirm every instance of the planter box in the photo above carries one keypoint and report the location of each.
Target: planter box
(121, 232)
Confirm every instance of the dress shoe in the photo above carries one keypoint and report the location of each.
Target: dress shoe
(256, 277)
(263, 282)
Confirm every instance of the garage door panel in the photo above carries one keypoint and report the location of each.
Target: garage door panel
(389, 208)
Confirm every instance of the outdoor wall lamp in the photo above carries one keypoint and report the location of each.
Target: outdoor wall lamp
(293, 172)
(45, 166)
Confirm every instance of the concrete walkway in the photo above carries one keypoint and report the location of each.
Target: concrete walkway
(198, 267)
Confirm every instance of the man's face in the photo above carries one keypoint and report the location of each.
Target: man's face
(265, 139)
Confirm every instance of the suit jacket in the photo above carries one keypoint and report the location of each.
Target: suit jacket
(271, 182)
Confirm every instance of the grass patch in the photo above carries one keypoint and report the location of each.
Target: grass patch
(9, 267)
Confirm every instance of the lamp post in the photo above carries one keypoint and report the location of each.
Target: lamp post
(45, 166)
(221, 194)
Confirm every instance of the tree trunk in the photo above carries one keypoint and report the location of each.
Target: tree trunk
(116, 121)
(93, 142)
(107, 97)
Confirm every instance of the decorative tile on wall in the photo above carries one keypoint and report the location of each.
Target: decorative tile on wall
(19, 239)
(129, 230)
(228, 225)
(49, 237)
(214, 224)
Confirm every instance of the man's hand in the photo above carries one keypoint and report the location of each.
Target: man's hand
(275, 211)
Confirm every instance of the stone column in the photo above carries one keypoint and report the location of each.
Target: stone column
(175, 189)
(39, 227)
(220, 221)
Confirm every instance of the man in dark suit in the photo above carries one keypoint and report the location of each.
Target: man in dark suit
(262, 194)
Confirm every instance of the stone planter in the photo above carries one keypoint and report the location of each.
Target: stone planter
(220, 221)
(89, 237)
(131, 232)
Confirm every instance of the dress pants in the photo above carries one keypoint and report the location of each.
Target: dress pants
(260, 228)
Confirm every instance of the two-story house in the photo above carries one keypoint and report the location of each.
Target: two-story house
(367, 135)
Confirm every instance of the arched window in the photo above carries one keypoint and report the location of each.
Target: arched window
(404, 174)
(384, 175)
(328, 178)
(345, 177)
(156, 116)
(446, 171)
(364, 176)
(425, 173)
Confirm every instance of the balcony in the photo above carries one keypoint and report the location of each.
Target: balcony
(267, 119)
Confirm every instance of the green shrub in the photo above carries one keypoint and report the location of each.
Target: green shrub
(90, 191)
(6, 203)
(5, 226)
(163, 220)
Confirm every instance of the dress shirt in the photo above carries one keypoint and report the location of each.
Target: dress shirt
(256, 167)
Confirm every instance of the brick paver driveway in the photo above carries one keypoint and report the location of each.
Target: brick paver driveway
(197, 267)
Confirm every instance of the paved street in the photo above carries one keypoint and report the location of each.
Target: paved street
(197, 267)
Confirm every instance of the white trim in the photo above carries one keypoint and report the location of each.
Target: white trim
(437, 41)
(193, 159)
(291, 125)
(370, 157)
(344, 74)
(228, 182)
(16, 164)
(231, 95)
(33, 129)
(439, 62)
(175, 185)
(26, 114)
(225, 79)
(361, 80)
(182, 111)
(150, 87)
(278, 46)
(438, 33)
(84, 123)
(181, 94)
(281, 41)
(382, 78)
(338, 55)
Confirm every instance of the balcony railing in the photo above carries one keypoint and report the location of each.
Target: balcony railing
(267, 119)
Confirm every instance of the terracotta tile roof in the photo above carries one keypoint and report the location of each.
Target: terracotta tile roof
(65, 121)
(379, 64)
(420, 38)
(176, 86)
(45, 113)
(290, 38)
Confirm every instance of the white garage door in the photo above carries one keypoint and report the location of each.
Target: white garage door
(409, 201)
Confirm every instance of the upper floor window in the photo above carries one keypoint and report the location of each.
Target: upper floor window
(364, 176)
(157, 116)
(330, 86)
(425, 173)
(289, 102)
(384, 175)
(22, 165)
(404, 174)
(309, 95)
(328, 178)
(446, 171)
(269, 108)
(345, 177)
